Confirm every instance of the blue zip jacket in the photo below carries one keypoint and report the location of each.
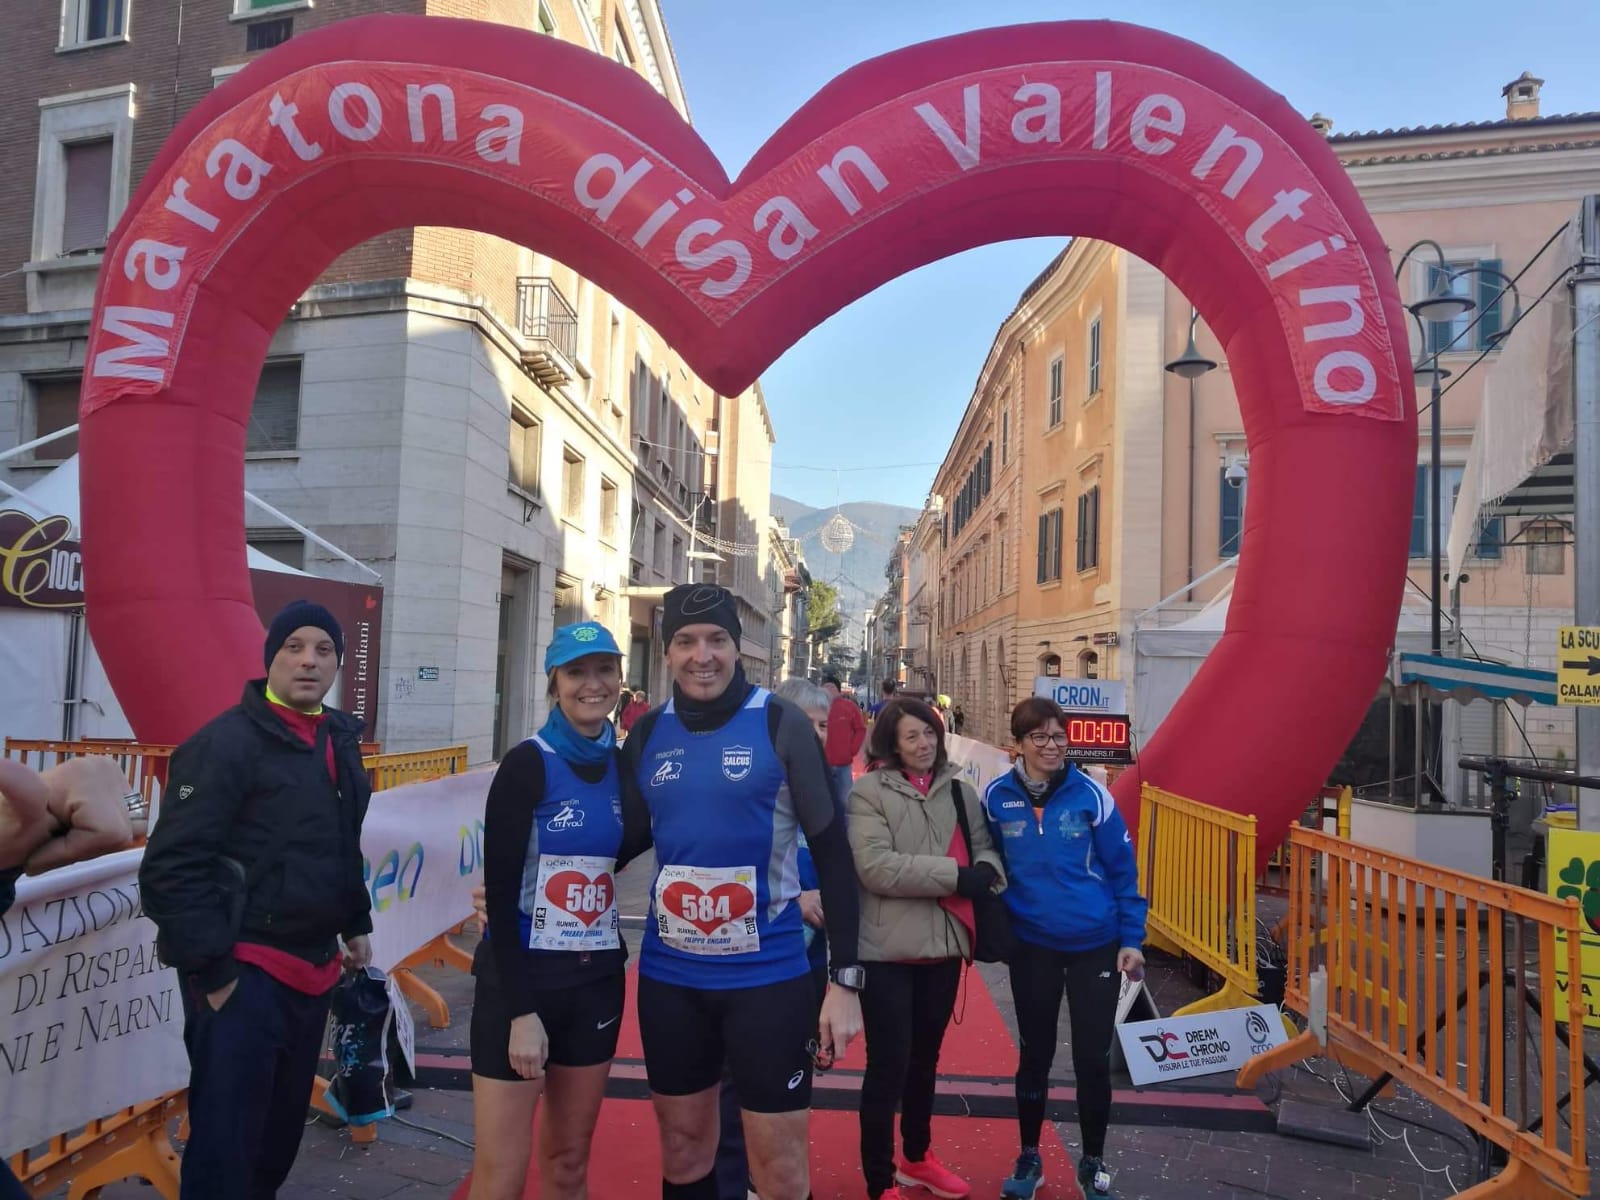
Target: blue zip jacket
(1072, 881)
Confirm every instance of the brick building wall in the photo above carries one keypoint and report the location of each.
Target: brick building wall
(170, 76)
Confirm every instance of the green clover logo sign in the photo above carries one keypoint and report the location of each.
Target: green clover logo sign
(1583, 885)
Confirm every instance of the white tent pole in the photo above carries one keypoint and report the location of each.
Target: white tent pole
(299, 528)
(17, 451)
(1224, 565)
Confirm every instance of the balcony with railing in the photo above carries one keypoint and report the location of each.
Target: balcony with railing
(549, 327)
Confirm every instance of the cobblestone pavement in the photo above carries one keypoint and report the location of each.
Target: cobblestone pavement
(424, 1154)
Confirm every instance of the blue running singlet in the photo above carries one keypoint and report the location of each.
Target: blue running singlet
(724, 911)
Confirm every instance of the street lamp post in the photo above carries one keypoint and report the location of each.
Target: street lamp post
(1441, 304)
(1191, 365)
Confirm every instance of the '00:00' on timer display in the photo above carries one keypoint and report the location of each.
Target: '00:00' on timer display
(1102, 738)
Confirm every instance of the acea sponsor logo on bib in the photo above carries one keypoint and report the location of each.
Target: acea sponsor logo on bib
(736, 762)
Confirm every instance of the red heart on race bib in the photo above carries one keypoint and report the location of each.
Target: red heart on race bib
(708, 911)
(585, 898)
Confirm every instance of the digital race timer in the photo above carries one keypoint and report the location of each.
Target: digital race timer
(1099, 738)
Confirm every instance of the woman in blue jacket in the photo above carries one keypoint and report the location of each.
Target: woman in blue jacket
(1079, 920)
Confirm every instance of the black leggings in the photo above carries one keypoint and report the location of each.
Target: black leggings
(1092, 985)
(904, 1009)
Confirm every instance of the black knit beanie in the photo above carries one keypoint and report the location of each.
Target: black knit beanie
(297, 615)
(699, 604)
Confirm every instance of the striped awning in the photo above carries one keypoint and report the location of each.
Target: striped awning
(1547, 492)
(1465, 679)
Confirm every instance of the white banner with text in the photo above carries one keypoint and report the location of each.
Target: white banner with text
(1204, 1044)
(92, 1022)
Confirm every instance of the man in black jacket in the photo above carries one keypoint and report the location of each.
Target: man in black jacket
(252, 874)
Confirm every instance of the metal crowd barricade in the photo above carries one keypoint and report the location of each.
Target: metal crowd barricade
(1197, 869)
(134, 1142)
(414, 766)
(1376, 940)
(144, 763)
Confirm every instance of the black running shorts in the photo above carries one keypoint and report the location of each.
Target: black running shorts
(582, 1022)
(761, 1032)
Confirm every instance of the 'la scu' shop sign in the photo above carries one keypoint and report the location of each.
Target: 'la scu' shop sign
(40, 564)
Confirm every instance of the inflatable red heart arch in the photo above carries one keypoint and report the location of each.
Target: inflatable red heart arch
(1094, 129)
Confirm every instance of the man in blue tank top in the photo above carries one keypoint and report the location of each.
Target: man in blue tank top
(729, 778)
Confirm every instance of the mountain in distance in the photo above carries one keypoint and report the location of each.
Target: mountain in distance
(858, 573)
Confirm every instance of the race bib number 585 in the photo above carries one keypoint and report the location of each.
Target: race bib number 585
(707, 910)
(576, 907)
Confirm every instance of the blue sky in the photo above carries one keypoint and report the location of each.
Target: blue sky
(883, 383)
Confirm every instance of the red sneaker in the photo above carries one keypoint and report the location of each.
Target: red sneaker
(932, 1174)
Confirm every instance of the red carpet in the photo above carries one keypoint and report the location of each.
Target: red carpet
(978, 1149)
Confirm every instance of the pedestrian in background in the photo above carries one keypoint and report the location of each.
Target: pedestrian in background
(1078, 920)
(847, 731)
(252, 876)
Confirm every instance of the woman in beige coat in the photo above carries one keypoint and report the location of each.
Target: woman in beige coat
(917, 887)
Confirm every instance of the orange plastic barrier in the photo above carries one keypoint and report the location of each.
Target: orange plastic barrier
(130, 1143)
(414, 766)
(145, 764)
(1376, 940)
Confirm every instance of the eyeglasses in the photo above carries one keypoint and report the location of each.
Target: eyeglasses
(1042, 740)
(821, 1059)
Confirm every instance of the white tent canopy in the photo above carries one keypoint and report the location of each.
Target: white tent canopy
(1166, 658)
(46, 657)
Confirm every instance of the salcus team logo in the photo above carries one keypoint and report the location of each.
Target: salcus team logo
(666, 772)
(736, 762)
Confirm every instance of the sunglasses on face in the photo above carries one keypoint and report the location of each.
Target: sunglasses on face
(1042, 740)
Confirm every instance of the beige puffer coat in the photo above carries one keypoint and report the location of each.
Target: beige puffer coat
(901, 843)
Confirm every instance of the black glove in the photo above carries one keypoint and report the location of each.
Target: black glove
(972, 882)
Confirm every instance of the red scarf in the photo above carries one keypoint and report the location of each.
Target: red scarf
(960, 907)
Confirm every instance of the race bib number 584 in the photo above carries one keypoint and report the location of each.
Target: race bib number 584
(707, 910)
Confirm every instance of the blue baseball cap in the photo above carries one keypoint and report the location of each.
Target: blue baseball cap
(575, 641)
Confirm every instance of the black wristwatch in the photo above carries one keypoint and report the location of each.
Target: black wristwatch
(854, 977)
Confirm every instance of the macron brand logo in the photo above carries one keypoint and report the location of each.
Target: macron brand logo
(666, 772)
(185, 792)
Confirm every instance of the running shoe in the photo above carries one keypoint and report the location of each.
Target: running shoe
(1025, 1177)
(932, 1174)
(893, 1193)
(1093, 1177)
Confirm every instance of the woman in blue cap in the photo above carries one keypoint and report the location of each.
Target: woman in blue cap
(549, 971)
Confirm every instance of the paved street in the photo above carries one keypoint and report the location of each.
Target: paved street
(425, 1152)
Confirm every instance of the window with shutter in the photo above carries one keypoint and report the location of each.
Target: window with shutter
(1089, 529)
(571, 485)
(1057, 366)
(1094, 357)
(1230, 523)
(87, 217)
(608, 509)
(54, 401)
(1471, 331)
(1044, 543)
(275, 414)
(527, 445)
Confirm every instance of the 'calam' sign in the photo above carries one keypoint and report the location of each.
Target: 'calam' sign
(1084, 695)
